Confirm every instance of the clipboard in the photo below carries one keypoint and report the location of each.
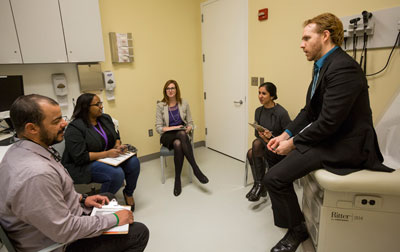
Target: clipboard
(112, 207)
(177, 129)
(258, 127)
(117, 160)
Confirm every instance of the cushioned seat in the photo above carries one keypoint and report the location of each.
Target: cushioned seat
(364, 181)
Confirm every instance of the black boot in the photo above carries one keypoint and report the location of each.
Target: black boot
(259, 190)
(259, 171)
(252, 190)
(293, 238)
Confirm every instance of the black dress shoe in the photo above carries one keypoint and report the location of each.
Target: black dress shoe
(177, 188)
(259, 190)
(293, 238)
(201, 177)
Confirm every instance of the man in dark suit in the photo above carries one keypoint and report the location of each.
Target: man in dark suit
(333, 131)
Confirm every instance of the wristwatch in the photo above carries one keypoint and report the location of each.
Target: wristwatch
(84, 196)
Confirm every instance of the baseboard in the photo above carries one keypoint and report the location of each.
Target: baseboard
(157, 154)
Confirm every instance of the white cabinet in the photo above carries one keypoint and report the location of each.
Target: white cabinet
(9, 47)
(82, 30)
(50, 31)
(39, 30)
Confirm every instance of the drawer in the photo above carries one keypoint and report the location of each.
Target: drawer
(312, 226)
(314, 187)
(312, 200)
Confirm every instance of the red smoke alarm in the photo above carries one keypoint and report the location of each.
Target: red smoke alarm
(263, 14)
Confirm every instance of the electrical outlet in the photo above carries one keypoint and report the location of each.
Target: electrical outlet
(150, 132)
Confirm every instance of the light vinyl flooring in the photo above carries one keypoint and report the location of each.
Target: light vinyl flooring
(215, 217)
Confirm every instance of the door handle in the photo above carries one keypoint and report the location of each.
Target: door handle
(240, 102)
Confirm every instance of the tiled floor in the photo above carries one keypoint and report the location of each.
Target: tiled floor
(215, 217)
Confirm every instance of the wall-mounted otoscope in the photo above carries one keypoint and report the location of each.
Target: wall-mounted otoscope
(366, 16)
(354, 22)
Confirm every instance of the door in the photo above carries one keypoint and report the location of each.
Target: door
(225, 70)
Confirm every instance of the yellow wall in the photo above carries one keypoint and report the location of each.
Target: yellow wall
(167, 45)
(274, 52)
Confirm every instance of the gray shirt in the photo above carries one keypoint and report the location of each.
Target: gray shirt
(274, 119)
(38, 203)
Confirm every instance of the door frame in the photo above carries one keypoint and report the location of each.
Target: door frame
(245, 89)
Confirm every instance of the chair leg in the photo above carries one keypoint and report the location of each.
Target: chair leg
(162, 159)
(190, 174)
(246, 172)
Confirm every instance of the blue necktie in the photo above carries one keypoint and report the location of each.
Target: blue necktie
(315, 79)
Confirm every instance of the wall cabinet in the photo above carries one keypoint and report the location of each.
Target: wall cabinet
(39, 30)
(9, 47)
(82, 30)
(51, 31)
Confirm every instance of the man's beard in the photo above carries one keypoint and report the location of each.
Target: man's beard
(47, 139)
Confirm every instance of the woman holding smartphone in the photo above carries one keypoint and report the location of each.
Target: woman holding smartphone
(174, 123)
(274, 118)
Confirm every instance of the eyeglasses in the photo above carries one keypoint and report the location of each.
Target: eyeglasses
(170, 89)
(97, 104)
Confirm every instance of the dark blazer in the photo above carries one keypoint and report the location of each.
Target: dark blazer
(341, 130)
(79, 141)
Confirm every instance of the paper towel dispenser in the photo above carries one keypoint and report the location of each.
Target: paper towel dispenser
(90, 77)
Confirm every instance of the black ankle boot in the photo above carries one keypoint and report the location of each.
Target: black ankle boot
(258, 190)
(252, 191)
(177, 187)
(293, 238)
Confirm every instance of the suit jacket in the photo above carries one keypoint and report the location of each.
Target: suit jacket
(341, 130)
(162, 116)
(79, 141)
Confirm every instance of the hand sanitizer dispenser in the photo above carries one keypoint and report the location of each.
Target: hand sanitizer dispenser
(60, 84)
(109, 81)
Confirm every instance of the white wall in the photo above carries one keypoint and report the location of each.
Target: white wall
(37, 80)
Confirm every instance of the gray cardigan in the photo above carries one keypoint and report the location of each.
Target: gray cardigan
(162, 117)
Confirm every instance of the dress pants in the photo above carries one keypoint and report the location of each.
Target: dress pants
(135, 241)
(279, 182)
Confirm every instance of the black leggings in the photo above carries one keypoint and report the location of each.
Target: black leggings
(179, 141)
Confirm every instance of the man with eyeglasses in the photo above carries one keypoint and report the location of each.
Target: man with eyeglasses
(38, 203)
